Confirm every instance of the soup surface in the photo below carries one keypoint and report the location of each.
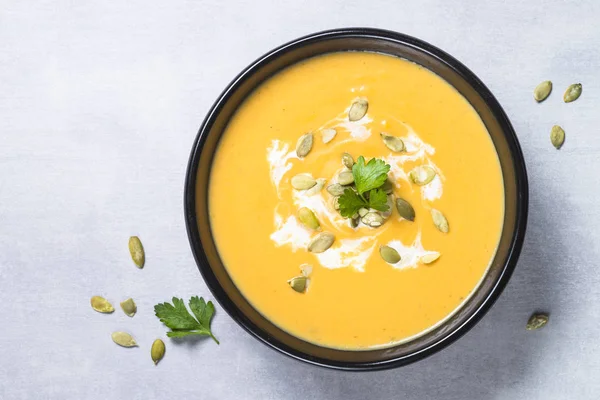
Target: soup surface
(354, 299)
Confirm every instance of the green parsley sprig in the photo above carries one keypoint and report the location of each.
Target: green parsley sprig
(176, 317)
(368, 179)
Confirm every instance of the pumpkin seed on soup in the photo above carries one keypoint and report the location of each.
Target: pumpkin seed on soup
(308, 218)
(440, 221)
(572, 93)
(321, 242)
(393, 143)
(430, 257)
(422, 175)
(304, 145)
(388, 187)
(299, 283)
(328, 135)
(542, 91)
(405, 210)
(317, 188)
(389, 254)
(335, 189)
(101, 305)
(345, 178)
(372, 219)
(347, 160)
(358, 109)
(303, 182)
(557, 136)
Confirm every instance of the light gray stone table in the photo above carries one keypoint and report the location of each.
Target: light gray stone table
(99, 105)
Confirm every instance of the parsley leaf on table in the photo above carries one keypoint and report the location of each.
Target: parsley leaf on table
(369, 176)
(176, 317)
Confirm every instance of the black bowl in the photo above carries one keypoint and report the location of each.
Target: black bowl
(374, 40)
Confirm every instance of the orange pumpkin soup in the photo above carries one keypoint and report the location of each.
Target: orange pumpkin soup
(275, 207)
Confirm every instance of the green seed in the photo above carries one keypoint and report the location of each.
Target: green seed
(536, 321)
(440, 221)
(405, 210)
(308, 218)
(573, 92)
(347, 160)
(317, 188)
(363, 211)
(138, 255)
(388, 187)
(101, 305)
(299, 283)
(422, 175)
(303, 182)
(129, 308)
(157, 352)
(358, 109)
(393, 143)
(321, 242)
(372, 219)
(430, 257)
(304, 145)
(328, 135)
(345, 178)
(557, 136)
(354, 221)
(336, 189)
(542, 91)
(123, 339)
(389, 254)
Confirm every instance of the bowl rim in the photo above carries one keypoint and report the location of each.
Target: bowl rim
(516, 242)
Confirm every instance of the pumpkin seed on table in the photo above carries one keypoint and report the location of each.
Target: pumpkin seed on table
(440, 221)
(321, 242)
(542, 91)
(393, 143)
(389, 254)
(129, 308)
(304, 145)
(347, 160)
(101, 305)
(536, 321)
(123, 339)
(303, 182)
(336, 189)
(372, 219)
(345, 178)
(138, 255)
(317, 188)
(308, 218)
(328, 135)
(157, 352)
(299, 283)
(572, 93)
(405, 210)
(557, 136)
(358, 109)
(430, 257)
(422, 175)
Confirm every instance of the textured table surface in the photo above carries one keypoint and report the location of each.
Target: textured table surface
(99, 105)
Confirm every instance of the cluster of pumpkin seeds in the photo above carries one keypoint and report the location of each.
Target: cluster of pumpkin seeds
(541, 93)
(102, 305)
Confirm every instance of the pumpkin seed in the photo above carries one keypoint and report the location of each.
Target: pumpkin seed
(389, 254)
(393, 143)
(303, 182)
(306, 269)
(308, 218)
(328, 135)
(573, 92)
(347, 160)
(354, 221)
(542, 91)
(358, 109)
(430, 257)
(536, 321)
(128, 306)
(345, 178)
(317, 188)
(405, 210)
(372, 219)
(336, 189)
(138, 255)
(101, 305)
(157, 352)
(304, 145)
(440, 221)
(422, 174)
(388, 187)
(299, 283)
(321, 242)
(336, 203)
(123, 339)
(363, 211)
(557, 136)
